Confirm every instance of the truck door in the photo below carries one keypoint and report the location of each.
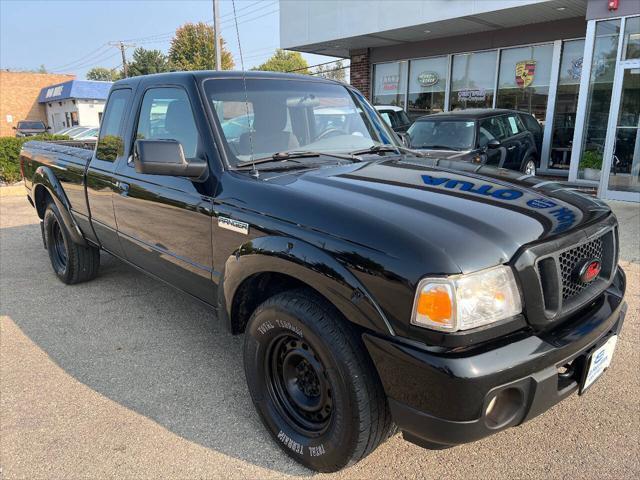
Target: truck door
(100, 183)
(164, 222)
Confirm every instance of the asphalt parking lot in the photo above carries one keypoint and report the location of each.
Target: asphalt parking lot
(124, 377)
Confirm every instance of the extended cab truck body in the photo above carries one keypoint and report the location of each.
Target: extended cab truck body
(375, 288)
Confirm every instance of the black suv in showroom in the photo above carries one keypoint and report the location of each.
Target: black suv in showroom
(497, 137)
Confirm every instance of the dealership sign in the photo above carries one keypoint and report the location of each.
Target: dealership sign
(390, 82)
(472, 95)
(428, 79)
(525, 71)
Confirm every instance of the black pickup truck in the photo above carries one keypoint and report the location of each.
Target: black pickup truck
(377, 289)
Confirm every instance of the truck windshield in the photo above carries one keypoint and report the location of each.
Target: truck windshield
(282, 115)
(442, 134)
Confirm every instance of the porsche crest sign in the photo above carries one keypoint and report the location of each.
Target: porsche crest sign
(525, 71)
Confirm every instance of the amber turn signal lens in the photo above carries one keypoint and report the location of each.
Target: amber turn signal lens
(435, 304)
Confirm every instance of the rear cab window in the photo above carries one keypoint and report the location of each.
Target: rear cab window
(110, 143)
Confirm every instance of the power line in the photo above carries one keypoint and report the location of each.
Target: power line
(93, 52)
(316, 65)
(122, 47)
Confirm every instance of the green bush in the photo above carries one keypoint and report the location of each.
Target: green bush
(591, 159)
(10, 153)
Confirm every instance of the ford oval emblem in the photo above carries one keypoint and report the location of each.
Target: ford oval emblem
(588, 270)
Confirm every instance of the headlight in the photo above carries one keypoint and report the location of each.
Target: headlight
(468, 301)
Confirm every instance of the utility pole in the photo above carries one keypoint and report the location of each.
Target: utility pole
(122, 46)
(216, 31)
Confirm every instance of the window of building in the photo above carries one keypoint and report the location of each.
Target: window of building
(427, 84)
(74, 119)
(523, 81)
(564, 118)
(603, 67)
(472, 80)
(166, 114)
(110, 144)
(390, 83)
(631, 45)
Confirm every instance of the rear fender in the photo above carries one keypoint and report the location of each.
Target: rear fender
(308, 264)
(44, 178)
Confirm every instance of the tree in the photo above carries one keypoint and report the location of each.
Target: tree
(285, 61)
(103, 74)
(334, 71)
(42, 69)
(146, 62)
(192, 48)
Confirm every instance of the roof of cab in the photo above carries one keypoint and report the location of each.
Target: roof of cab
(199, 75)
(470, 113)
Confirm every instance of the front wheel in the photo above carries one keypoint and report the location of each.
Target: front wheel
(529, 167)
(72, 263)
(313, 383)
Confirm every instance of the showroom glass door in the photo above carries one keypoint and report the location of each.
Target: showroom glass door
(621, 179)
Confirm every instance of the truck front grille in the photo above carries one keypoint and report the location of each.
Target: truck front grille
(562, 291)
(569, 261)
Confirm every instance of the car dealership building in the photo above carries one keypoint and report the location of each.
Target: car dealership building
(573, 64)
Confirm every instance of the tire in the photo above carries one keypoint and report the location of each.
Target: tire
(72, 263)
(529, 166)
(313, 383)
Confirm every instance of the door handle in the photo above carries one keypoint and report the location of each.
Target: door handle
(123, 187)
(511, 147)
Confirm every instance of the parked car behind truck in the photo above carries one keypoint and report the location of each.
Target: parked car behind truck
(375, 289)
(497, 137)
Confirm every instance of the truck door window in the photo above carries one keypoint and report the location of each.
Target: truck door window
(110, 144)
(166, 114)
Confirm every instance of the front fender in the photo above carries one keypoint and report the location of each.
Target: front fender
(44, 177)
(309, 264)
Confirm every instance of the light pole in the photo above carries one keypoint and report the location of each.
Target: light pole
(216, 32)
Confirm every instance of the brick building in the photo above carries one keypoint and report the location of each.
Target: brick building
(19, 93)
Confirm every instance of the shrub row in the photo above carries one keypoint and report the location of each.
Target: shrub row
(10, 153)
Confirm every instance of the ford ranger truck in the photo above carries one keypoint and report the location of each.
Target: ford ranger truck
(377, 290)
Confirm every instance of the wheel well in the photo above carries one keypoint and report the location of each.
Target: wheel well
(255, 290)
(42, 197)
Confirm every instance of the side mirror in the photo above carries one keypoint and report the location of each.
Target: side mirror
(406, 139)
(48, 128)
(165, 157)
(493, 143)
(15, 128)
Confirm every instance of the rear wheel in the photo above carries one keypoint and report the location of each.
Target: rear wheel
(313, 383)
(72, 263)
(529, 167)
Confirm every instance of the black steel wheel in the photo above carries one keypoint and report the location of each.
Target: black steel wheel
(313, 383)
(299, 385)
(72, 263)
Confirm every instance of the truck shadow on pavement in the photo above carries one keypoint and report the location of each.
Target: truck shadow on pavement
(141, 344)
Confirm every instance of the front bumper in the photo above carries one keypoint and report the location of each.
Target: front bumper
(440, 398)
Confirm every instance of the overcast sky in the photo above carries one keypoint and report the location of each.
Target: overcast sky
(72, 36)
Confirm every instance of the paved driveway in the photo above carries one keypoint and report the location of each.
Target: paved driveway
(124, 377)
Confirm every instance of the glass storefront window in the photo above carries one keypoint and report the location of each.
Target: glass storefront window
(625, 166)
(631, 46)
(564, 118)
(472, 80)
(427, 83)
(390, 83)
(523, 82)
(603, 68)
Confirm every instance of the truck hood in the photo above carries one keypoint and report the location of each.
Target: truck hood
(446, 220)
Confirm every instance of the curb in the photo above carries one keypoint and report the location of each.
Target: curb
(12, 191)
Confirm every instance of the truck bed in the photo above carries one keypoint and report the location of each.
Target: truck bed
(67, 163)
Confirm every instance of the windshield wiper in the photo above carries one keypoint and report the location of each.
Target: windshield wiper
(389, 148)
(440, 147)
(287, 156)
